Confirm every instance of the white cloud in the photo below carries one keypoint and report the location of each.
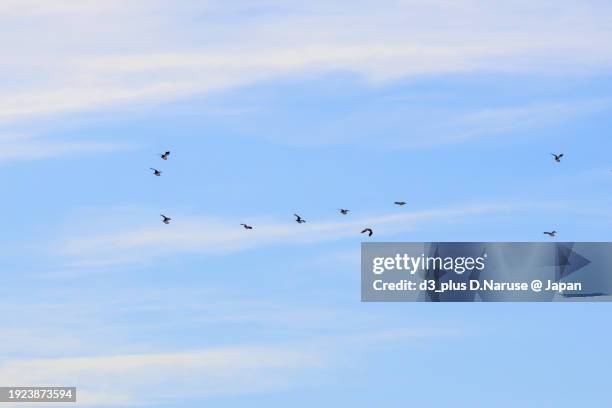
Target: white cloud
(205, 235)
(499, 121)
(168, 51)
(165, 377)
(414, 127)
(63, 57)
(29, 148)
(90, 241)
(28, 7)
(142, 378)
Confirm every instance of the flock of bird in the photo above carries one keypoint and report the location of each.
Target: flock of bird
(368, 231)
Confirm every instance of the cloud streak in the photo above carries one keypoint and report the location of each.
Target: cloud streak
(157, 51)
(213, 236)
(164, 376)
(114, 66)
(26, 147)
(161, 377)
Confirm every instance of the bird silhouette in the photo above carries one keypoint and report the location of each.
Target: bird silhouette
(299, 219)
(166, 220)
(156, 172)
(368, 231)
(557, 157)
(165, 155)
(551, 234)
(247, 227)
(400, 203)
(343, 211)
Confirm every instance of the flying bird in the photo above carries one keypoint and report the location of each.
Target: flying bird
(557, 157)
(166, 220)
(343, 211)
(299, 219)
(400, 203)
(156, 172)
(551, 234)
(247, 227)
(165, 155)
(368, 231)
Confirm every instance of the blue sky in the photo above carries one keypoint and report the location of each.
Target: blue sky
(276, 107)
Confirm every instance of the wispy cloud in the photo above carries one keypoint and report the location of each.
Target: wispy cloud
(158, 377)
(151, 52)
(28, 147)
(63, 7)
(414, 127)
(93, 242)
(499, 121)
(109, 63)
(204, 235)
